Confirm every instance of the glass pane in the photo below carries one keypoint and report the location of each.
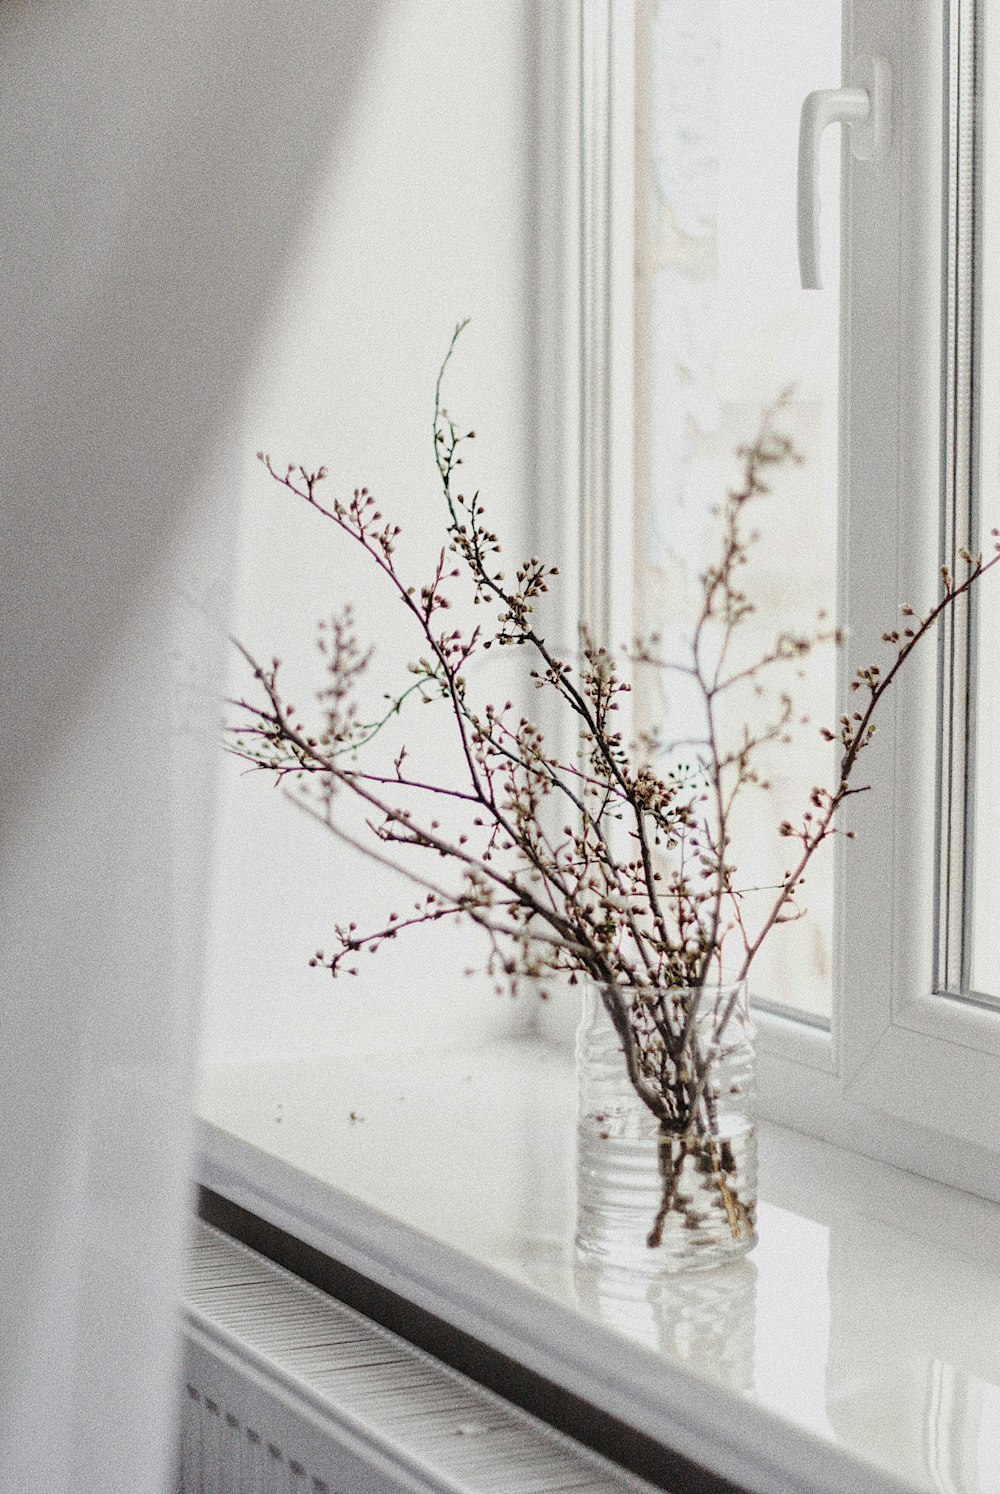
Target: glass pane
(985, 936)
(722, 328)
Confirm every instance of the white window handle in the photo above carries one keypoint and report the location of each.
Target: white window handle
(867, 109)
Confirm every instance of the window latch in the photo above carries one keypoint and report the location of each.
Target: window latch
(866, 108)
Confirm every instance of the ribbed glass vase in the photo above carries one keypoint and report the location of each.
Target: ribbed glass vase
(667, 1183)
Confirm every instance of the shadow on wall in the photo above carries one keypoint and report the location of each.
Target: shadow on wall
(158, 160)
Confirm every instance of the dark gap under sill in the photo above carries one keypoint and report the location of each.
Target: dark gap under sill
(594, 1428)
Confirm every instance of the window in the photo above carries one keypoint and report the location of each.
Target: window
(877, 1021)
(984, 956)
(726, 328)
(906, 1047)
(394, 256)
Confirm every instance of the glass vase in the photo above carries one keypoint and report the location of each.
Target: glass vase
(666, 1180)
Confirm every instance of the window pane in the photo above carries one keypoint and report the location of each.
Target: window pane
(985, 940)
(722, 328)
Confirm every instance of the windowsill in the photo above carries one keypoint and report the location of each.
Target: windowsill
(862, 1334)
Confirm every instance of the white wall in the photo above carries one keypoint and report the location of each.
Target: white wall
(427, 218)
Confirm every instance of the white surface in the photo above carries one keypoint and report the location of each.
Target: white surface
(403, 1415)
(869, 1314)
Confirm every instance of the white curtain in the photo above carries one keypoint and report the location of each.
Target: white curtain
(156, 159)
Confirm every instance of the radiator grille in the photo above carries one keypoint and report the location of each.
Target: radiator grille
(220, 1455)
(289, 1392)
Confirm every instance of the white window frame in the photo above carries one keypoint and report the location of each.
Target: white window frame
(903, 1048)
(903, 1074)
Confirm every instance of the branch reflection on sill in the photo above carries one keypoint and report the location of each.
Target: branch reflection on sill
(868, 1315)
(704, 1320)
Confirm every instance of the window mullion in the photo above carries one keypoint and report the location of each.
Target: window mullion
(959, 517)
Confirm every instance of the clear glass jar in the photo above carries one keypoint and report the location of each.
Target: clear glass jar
(668, 1183)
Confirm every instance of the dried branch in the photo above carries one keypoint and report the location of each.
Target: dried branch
(650, 927)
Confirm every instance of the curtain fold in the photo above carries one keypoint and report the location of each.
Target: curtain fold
(156, 160)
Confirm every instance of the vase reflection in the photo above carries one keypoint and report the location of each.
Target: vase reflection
(703, 1321)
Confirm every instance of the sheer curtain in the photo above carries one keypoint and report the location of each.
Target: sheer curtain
(156, 160)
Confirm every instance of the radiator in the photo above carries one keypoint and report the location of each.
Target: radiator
(287, 1391)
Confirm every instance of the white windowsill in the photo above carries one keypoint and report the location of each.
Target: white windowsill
(858, 1348)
